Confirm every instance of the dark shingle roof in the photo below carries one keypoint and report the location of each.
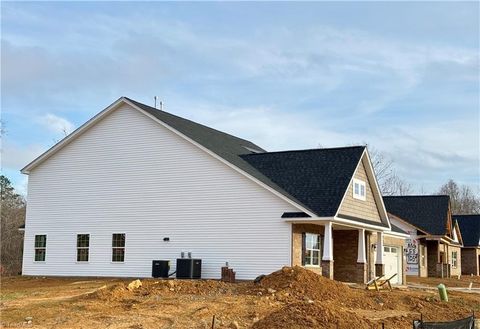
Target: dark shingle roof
(318, 177)
(427, 212)
(469, 228)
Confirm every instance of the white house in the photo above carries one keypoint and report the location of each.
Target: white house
(136, 184)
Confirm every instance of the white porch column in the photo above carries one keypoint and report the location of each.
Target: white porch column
(361, 246)
(328, 243)
(379, 259)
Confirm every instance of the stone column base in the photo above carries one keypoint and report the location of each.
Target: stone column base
(379, 269)
(360, 273)
(327, 269)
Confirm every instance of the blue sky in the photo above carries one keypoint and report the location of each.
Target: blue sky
(402, 77)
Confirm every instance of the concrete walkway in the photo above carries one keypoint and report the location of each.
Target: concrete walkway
(461, 289)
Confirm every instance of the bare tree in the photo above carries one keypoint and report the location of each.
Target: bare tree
(462, 198)
(388, 180)
(12, 213)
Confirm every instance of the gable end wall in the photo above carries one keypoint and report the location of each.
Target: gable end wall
(128, 174)
(358, 208)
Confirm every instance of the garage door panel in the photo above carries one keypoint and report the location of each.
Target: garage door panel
(392, 262)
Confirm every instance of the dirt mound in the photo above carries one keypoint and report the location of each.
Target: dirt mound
(301, 283)
(115, 292)
(311, 315)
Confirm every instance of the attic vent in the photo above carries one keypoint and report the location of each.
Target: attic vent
(252, 150)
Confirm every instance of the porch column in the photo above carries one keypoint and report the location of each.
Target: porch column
(328, 243)
(361, 247)
(360, 273)
(327, 257)
(379, 265)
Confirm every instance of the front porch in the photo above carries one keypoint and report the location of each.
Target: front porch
(444, 260)
(339, 252)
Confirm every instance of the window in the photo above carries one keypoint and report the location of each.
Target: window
(40, 247)
(83, 244)
(118, 247)
(359, 189)
(313, 243)
(454, 259)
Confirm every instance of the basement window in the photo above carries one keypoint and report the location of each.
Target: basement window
(40, 247)
(83, 244)
(312, 249)
(118, 247)
(454, 259)
(359, 190)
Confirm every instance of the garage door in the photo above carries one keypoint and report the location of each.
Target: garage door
(391, 257)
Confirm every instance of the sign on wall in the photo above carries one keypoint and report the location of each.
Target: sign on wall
(411, 253)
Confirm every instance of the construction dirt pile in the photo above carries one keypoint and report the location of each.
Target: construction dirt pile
(292, 297)
(312, 315)
(299, 283)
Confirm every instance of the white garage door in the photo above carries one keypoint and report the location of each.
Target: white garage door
(392, 259)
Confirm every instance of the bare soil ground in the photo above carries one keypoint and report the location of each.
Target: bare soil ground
(289, 298)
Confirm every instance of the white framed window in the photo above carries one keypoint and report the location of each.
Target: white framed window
(40, 247)
(454, 259)
(359, 189)
(83, 246)
(118, 247)
(313, 243)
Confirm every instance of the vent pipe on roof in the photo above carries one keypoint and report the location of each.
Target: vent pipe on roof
(155, 103)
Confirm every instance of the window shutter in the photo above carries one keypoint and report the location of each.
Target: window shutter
(303, 249)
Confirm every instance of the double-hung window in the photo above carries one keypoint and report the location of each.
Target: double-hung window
(454, 259)
(83, 245)
(313, 243)
(40, 247)
(359, 189)
(118, 247)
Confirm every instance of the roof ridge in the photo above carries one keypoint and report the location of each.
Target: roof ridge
(179, 117)
(309, 150)
(417, 196)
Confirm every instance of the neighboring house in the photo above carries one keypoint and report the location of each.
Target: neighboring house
(470, 229)
(433, 248)
(135, 184)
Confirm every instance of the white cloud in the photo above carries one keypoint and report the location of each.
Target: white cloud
(16, 156)
(57, 124)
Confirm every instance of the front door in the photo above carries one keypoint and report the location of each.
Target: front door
(391, 258)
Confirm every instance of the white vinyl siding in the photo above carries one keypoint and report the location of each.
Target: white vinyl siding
(129, 174)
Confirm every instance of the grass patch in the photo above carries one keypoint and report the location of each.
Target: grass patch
(11, 296)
